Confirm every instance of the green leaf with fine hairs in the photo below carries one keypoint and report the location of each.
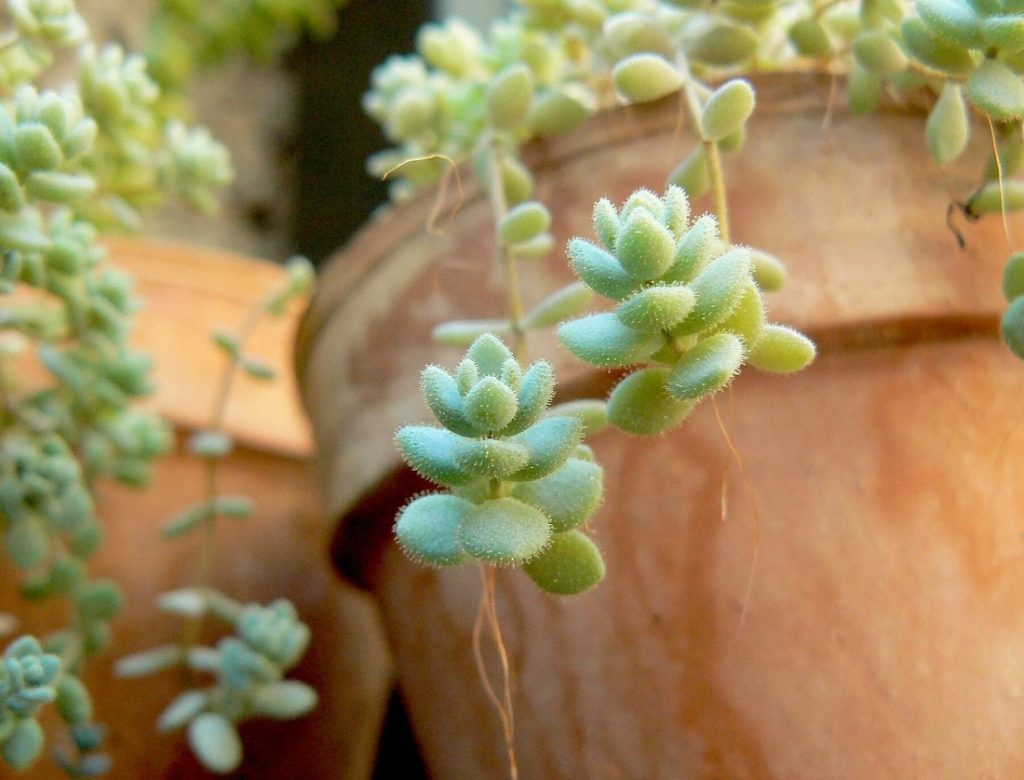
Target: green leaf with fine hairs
(747, 318)
(592, 412)
(934, 52)
(445, 401)
(508, 98)
(719, 289)
(640, 78)
(433, 453)
(728, 109)
(23, 744)
(948, 128)
(1012, 327)
(606, 224)
(993, 197)
(462, 333)
(549, 442)
(600, 270)
(641, 403)
(495, 458)
(556, 112)
(181, 710)
(523, 222)
(695, 249)
(99, 600)
(283, 700)
(724, 44)
(656, 308)
(570, 565)
(36, 147)
(768, 271)
(215, 742)
(428, 529)
(676, 215)
(954, 20)
(706, 368)
(781, 350)
(876, 51)
(645, 247)
(570, 301)
(1013, 277)
(810, 39)
(568, 496)
(535, 391)
(489, 354)
(490, 404)
(1005, 32)
(602, 340)
(997, 91)
(504, 531)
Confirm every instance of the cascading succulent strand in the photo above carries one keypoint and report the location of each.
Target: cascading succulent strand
(689, 309)
(520, 485)
(249, 668)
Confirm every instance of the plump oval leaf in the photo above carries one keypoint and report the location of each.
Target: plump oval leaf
(535, 391)
(504, 531)
(428, 529)
(550, 442)
(641, 403)
(656, 308)
(728, 109)
(781, 350)
(706, 368)
(645, 247)
(602, 340)
(568, 496)
(490, 404)
(433, 453)
(640, 78)
(442, 394)
(215, 742)
(718, 288)
(600, 270)
(997, 91)
(570, 565)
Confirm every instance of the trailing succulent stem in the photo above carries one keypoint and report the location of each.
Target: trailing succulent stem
(520, 485)
(249, 667)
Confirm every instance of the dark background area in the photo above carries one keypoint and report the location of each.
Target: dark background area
(334, 136)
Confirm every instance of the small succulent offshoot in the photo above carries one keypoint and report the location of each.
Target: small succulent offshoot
(690, 309)
(520, 485)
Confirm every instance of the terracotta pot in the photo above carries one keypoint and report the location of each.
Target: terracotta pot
(189, 291)
(864, 621)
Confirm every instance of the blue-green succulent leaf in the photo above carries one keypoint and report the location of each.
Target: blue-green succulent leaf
(428, 529)
(433, 453)
(549, 442)
(504, 531)
(495, 458)
(656, 308)
(490, 404)
(600, 270)
(489, 353)
(602, 340)
(445, 401)
(570, 565)
(706, 368)
(719, 288)
(535, 392)
(568, 496)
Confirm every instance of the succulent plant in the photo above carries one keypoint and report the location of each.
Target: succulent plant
(520, 484)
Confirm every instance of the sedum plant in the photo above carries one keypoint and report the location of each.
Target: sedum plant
(520, 484)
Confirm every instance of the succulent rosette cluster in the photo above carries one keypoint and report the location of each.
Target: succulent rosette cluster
(520, 485)
(689, 309)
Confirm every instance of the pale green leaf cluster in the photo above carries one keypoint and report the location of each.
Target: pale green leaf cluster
(689, 310)
(248, 668)
(520, 483)
(30, 678)
(1013, 318)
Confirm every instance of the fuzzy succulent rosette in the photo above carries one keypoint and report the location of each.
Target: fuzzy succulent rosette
(519, 483)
